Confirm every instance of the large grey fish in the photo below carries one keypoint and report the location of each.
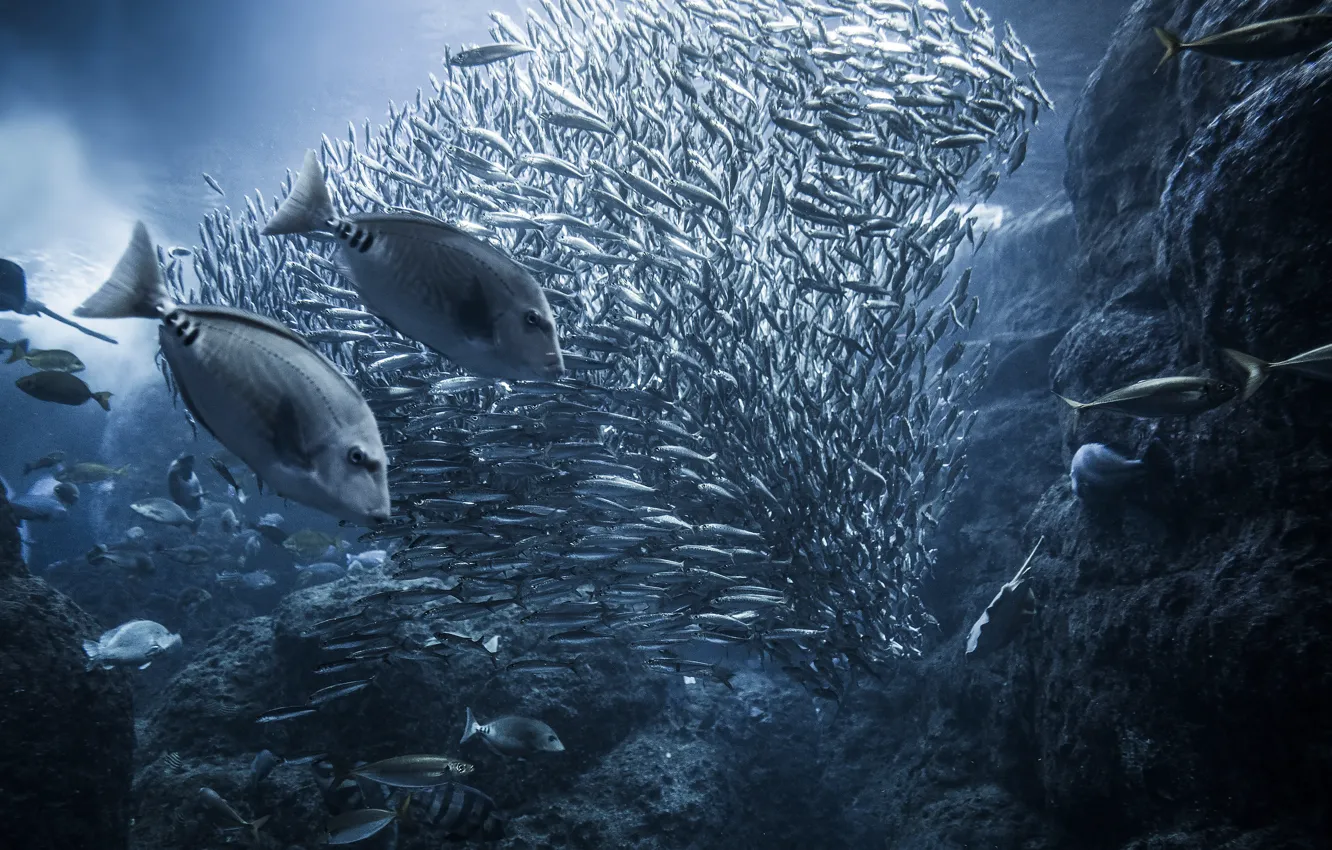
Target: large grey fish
(434, 283)
(1274, 39)
(1161, 397)
(261, 390)
(513, 736)
(133, 644)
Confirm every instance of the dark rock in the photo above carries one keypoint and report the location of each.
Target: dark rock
(68, 734)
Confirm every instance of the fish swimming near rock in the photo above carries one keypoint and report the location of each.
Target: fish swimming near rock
(253, 580)
(513, 736)
(14, 298)
(414, 771)
(90, 472)
(1315, 363)
(1012, 608)
(54, 459)
(308, 544)
(48, 360)
(1275, 39)
(1157, 397)
(223, 470)
(434, 283)
(67, 493)
(1099, 470)
(264, 763)
(220, 808)
(460, 811)
(261, 390)
(62, 388)
(166, 512)
(183, 483)
(134, 644)
(359, 824)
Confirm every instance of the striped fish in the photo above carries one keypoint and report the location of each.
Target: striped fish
(460, 811)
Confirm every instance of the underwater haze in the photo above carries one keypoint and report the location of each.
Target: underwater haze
(665, 424)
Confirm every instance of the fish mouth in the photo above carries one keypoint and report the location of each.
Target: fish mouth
(553, 367)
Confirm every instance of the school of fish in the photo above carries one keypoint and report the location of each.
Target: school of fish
(743, 218)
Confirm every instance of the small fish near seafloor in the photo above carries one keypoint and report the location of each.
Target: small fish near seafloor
(1274, 39)
(183, 484)
(261, 390)
(133, 644)
(513, 736)
(1098, 470)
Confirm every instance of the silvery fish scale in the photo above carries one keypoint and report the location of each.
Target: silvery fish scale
(797, 330)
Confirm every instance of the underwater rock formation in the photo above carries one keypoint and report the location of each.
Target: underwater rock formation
(66, 735)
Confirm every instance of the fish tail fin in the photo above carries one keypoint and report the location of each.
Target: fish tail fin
(195, 523)
(308, 208)
(1076, 405)
(135, 288)
(122, 470)
(93, 650)
(469, 729)
(18, 352)
(1255, 371)
(1173, 45)
(104, 399)
(256, 825)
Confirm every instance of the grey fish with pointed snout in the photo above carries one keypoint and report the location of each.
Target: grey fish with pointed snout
(433, 283)
(261, 390)
(1159, 397)
(1274, 39)
(1099, 470)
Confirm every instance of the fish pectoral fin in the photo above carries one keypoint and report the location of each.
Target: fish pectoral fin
(288, 439)
(473, 311)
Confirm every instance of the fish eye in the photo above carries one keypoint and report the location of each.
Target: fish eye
(550, 738)
(533, 319)
(355, 456)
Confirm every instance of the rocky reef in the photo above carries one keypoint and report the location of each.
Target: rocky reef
(1171, 692)
(66, 735)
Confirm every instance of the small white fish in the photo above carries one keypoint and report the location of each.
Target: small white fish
(213, 184)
